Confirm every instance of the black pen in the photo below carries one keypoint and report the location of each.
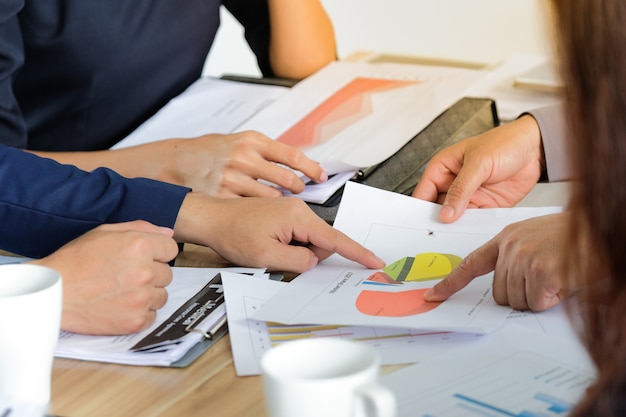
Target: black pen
(363, 173)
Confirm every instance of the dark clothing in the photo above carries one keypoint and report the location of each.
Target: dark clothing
(44, 204)
(83, 74)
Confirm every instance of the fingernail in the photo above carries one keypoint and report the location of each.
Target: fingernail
(447, 211)
(429, 293)
(323, 177)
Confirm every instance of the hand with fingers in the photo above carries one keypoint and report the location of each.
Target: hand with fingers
(114, 277)
(494, 169)
(525, 258)
(257, 232)
(231, 165)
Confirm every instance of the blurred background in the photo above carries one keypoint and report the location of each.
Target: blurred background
(473, 32)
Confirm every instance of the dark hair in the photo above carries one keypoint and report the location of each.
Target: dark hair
(592, 48)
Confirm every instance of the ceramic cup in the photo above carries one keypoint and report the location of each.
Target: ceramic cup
(30, 320)
(324, 377)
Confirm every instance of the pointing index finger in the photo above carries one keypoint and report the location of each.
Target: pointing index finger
(477, 263)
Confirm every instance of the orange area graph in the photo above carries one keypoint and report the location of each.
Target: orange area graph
(349, 104)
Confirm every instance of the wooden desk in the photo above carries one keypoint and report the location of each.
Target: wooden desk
(208, 387)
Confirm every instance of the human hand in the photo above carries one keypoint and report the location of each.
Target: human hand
(257, 233)
(229, 165)
(494, 169)
(114, 277)
(525, 257)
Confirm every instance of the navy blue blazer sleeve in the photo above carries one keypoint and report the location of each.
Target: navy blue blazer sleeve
(44, 204)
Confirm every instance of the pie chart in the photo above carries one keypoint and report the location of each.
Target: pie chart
(423, 267)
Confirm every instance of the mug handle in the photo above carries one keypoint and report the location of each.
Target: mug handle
(374, 400)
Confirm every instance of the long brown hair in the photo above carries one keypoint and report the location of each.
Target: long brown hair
(592, 48)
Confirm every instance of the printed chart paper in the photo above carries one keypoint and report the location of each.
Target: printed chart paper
(418, 250)
(346, 116)
(352, 115)
(251, 338)
(513, 372)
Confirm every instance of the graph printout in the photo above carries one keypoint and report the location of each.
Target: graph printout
(353, 115)
(251, 338)
(515, 372)
(419, 251)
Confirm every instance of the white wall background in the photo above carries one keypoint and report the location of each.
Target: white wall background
(469, 30)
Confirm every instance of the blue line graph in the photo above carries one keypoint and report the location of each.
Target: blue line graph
(556, 405)
(478, 407)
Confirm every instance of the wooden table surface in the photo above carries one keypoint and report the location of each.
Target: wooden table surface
(208, 387)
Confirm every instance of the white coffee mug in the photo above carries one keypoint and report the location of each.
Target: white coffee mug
(30, 321)
(324, 377)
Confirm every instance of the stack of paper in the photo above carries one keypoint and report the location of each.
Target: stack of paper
(194, 309)
(385, 308)
(418, 249)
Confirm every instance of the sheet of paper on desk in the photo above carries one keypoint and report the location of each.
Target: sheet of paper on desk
(418, 250)
(352, 115)
(320, 193)
(513, 372)
(251, 338)
(185, 285)
(209, 105)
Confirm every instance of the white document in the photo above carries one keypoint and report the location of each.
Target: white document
(347, 116)
(418, 250)
(117, 349)
(250, 338)
(554, 322)
(513, 372)
(209, 105)
(352, 115)
(320, 193)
